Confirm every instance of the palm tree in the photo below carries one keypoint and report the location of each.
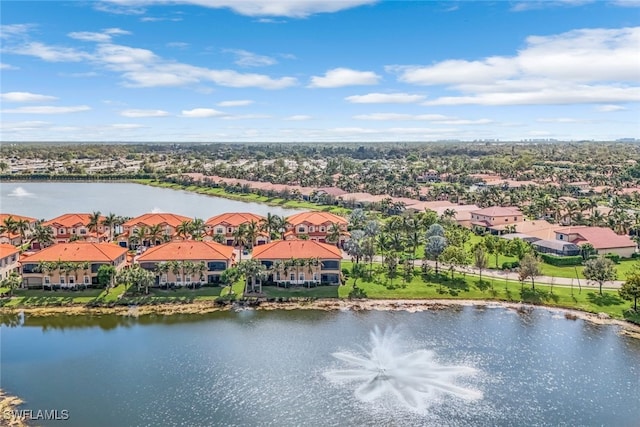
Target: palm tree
(138, 236)
(9, 225)
(161, 269)
(269, 225)
(12, 282)
(42, 235)
(281, 225)
(253, 271)
(334, 233)
(94, 222)
(46, 268)
(197, 229)
(154, 234)
(110, 221)
(252, 230)
(240, 237)
(22, 226)
(218, 238)
(176, 267)
(184, 229)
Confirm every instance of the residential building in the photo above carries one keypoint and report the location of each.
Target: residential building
(9, 256)
(226, 225)
(556, 247)
(75, 226)
(489, 218)
(603, 239)
(168, 223)
(316, 226)
(300, 261)
(12, 238)
(70, 264)
(187, 262)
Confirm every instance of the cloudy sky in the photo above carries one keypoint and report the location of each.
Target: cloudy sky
(319, 70)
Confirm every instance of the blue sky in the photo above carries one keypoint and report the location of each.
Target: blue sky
(318, 70)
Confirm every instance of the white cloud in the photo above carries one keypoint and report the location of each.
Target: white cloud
(561, 120)
(522, 6)
(288, 8)
(627, 3)
(49, 53)
(249, 59)
(246, 117)
(25, 97)
(21, 126)
(178, 45)
(15, 30)
(339, 77)
(5, 66)
(102, 37)
(202, 113)
(235, 103)
(47, 109)
(144, 113)
(572, 67)
(298, 118)
(384, 98)
(607, 108)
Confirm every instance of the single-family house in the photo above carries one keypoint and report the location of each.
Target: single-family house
(603, 239)
(300, 261)
(76, 226)
(317, 226)
(226, 224)
(9, 257)
(489, 219)
(187, 262)
(556, 247)
(70, 264)
(13, 224)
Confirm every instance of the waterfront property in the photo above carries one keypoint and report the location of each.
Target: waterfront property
(14, 227)
(317, 226)
(494, 218)
(227, 224)
(78, 226)
(9, 256)
(135, 230)
(70, 264)
(185, 263)
(300, 261)
(604, 240)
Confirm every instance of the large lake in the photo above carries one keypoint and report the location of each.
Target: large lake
(50, 199)
(268, 369)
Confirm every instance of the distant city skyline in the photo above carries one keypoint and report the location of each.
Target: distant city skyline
(326, 71)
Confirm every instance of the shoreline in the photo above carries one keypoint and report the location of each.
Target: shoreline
(325, 304)
(8, 404)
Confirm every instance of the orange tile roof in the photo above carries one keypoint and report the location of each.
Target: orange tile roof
(187, 250)
(6, 250)
(78, 251)
(157, 218)
(4, 216)
(599, 237)
(286, 249)
(316, 218)
(234, 219)
(71, 220)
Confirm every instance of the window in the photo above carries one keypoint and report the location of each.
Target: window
(47, 280)
(515, 218)
(72, 280)
(315, 277)
(219, 230)
(216, 265)
(178, 278)
(506, 220)
(330, 265)
(301, 277)
(229, 230)
(292, 276)
(163, 279)
(83, 231)
(560, 236)
(300, 229)
(62, 280)
(61, 231)
(322, 229)
(87, 280)
(187, 279)
(311, 229)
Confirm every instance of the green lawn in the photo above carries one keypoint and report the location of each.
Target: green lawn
(313, 292)
(38, 297)
(622, 269)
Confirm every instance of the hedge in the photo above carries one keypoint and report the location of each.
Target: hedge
(561, 261)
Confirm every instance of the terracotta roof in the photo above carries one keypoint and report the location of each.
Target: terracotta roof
(157, 218)
(6, 250)
(286, 249)
(599, 237)
(316, 218)
(78, 251)
(537, 228)
(71, 220)
(233, 219)
(187, 250)
(497, 211)
(4, 216)
(332, 191)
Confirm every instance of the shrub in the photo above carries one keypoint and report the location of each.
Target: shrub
(561, 261)
(509, 265)
(613, 257)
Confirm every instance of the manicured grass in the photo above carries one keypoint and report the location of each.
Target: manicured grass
(327, 291)
(246, 197)
(622, 269)
(38, 297)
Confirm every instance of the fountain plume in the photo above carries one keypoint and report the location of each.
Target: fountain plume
(414, 378)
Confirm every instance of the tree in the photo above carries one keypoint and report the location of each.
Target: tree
(269, 224)
(434, 248)
(42, 235)
(529, 268)
(154, 234)
(46, 268)
(13, 281)
(110, 221)
(240, 237)
(22, 226)
(599, 270)
(94, 221)
(253, 271)
(519, 248)
(587, 250)
(480, 259)
(354, 246)
(630, 290)
(183, 229)
(357, 219)
(229, 277)
(435, 230)
(252, 230)
(106, 274)
(454, 256)
(334, 233)
(138, 236)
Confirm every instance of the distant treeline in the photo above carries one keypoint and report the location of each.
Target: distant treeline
(74, 177)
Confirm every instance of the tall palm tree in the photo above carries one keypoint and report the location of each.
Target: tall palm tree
(42, 235)
(46, 268)
(138, 236)
(240, 237)
(252, 231)
(9, 225)
(184, 229)
(161, 269)
(197, 229)
(281, 225)
(269, 224)
(94, 222)
(110, 221)
(22, 226)
(334, 233)
(154, 234)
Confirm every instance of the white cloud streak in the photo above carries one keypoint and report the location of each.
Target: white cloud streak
(25, 97)
(245, 58)
(235, 103)
(200, 113)
(340, 77)
(47, 109)
(143, 113)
